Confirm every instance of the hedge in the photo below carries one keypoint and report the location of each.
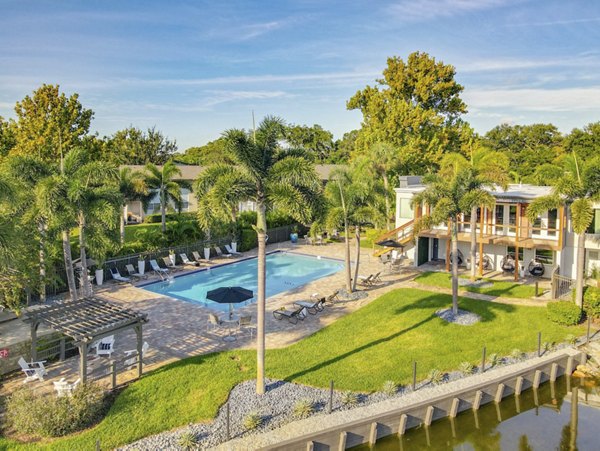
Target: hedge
(565, 313)
(156, 217)
(591, 302)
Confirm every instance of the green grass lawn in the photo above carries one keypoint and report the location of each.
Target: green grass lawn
(359, 352)
(499, 288)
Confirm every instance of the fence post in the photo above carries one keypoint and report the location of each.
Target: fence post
(536, 289)
(414, 384)
(62, 349)
(539, 344)
(483, 360)
(589, 323)
(113, 374)
(330, 407)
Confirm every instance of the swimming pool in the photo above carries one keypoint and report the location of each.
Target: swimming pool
(285, 271)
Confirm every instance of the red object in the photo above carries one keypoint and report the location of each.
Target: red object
(3, 353)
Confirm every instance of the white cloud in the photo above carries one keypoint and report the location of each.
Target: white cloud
(254, 30)
(501, 64)
(541, 100)
(422, 10)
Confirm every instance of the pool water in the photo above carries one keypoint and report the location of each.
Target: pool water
(285, 271)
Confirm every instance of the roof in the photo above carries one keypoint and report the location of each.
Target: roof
(191, 172)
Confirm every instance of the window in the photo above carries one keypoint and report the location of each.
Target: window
(512, 218)
(552, 222)
(406, 209)
(510, 250)
(545, 256)
(595, 225)
(499, 215)
(537, 226)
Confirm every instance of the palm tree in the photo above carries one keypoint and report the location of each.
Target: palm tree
(452, 191)
(351, 196)
(162, 181)
(579, 187)
(132, 186)
(490, 168)
(385, 160)
(274, 179)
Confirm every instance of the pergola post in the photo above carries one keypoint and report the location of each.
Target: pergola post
(138, 333)
(83, 361)
(34, 326)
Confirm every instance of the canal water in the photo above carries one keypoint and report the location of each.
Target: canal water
(543, 419)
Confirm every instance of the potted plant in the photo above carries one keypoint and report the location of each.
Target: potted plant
(99, 273)
(233, 243)
(207, 252)
(172, 256)
(294, 234)
(141, 263)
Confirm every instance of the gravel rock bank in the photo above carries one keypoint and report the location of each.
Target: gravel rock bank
(463, 318)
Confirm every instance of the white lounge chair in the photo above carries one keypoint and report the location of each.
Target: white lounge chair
(116, 275)
(105, 346)
(220, 253)
(133, 273)
(199, 259)
(157, 269)
(33, 370)
(133, 352)
(64, 388)
(231, 251)
(170, 265)
(187, 261)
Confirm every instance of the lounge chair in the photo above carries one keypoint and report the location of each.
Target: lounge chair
(133, 354)
(292, 315)
(366, 281)
(319, 240)
(214, 322)
(133, 273)
(220, 253)
(116, 275)
(157, 269)
(333, 297)
(231, 251)
(313, 307)
(186, 261)
(376, 278)
(170, 265)
(64, 388)
(105, 346)
(33, 370)
(199, 259)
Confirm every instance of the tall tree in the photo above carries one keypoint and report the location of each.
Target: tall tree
(344, 147)
(273, 178)
(451, 192)
(135, 146)
(212, 152)
(132, 186)
(315, 140)
(416, 106)
(584, 142)
(49, 123)
(163, 182)
(579, 187)
(7, 136)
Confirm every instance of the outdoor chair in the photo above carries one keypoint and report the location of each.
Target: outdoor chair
(312, 307)
(214, 322)
(292, 315)
(319, 240)
(333, 297)
(170, 265)
(133, 354)
(307, 240)
(133, 273)
(220, 253)
(64, 388)
(377, 278)
(231, 251)
(245, 322)
(116, 275)
(33, 370)
(105, 346)
(199, 259)
(157, 269)
(187, 261)
(366, 281)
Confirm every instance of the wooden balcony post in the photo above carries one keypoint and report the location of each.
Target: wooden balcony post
(481, 241)
(517, 233)
(561, 225)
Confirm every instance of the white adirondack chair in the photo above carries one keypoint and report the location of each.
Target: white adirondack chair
(105, 346)
(133, 352)
(33, 370)
(64, 388)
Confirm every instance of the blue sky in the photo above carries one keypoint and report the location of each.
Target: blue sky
(194, 69)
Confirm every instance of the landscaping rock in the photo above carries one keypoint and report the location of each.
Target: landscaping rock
(476, 284)
(354, 296)
(463, 318)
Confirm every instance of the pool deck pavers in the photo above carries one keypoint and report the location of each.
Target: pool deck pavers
(178, 329)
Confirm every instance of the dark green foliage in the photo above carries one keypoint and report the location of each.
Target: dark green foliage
(248, 240)
(155, 218)
(565, 313)
(50, 416)
(591, 302)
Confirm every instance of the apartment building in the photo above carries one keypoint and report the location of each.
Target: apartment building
(504, 234)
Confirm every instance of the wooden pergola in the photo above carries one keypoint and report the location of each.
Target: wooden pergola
(86, 321)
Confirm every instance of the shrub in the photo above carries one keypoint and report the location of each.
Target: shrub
(156, 217)
(571, 339)
(548, 346)
(591, 302)
(187, 441)
(466, 368)
(390, 388)
(494, 359)
(246, 219)
(516, 354)
(253, 420)
(50, 416)
(349, 398)
(304, 408)
(564, 312)
(435, 376)
(248, 240)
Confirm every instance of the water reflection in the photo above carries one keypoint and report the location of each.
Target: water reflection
(564, 415)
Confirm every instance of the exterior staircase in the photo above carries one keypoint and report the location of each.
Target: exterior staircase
(403, 235)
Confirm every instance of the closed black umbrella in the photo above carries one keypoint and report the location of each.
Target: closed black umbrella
(389, 243)
(229, 295)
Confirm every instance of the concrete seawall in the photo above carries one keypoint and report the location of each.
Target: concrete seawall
(345, 429)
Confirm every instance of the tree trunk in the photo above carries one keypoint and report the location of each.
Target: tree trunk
(42, 228)
(580, 275)
(122, 229)
(386, 186)
(261, 230)
(454, 265)
(357, 263)
(86, 289)
(347, 257)
(163, 213)
(66, 235)
(473, 253)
